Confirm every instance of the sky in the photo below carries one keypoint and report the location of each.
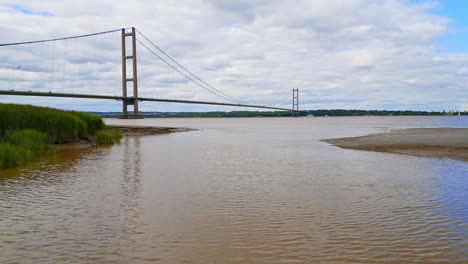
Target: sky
(346, 54)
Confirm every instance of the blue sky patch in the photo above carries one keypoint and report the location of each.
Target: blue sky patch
(28, 11)
(457, 37)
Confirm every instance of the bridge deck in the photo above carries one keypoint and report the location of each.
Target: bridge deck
(123, 98)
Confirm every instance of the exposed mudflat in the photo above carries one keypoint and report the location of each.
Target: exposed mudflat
(430, 142)
(127, 130)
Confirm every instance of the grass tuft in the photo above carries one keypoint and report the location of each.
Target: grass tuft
(21, 146)
(93, 122)
(29, 139)
(107, 137)
(11, 156)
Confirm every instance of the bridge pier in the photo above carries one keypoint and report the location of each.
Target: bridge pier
(295, 102)
(134, 99)
(126, 102)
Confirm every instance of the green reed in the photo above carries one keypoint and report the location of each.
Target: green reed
(21, 146)
(60, 126)
(26, 130)
(11, 156)
(93, 122)
(31, 140)
(108, 137)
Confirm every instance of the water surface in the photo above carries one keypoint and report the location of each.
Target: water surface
(258, 190)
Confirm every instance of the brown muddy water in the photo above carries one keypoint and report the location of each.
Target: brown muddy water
(262, 190)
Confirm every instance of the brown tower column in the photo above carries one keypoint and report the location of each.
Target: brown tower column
(133, 100)
(295, 102)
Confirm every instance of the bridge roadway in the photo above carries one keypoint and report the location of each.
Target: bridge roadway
(130, 99)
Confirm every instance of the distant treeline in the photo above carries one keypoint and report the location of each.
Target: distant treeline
(329, 112)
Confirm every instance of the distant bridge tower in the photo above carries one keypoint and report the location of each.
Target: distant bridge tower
(295, 102)
(132, 100)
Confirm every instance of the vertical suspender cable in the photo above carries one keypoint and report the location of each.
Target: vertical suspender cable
(64, 66)
(53, 67)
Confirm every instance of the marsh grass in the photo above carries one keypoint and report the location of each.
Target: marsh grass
(60, 126)
(26, 130)
(93, 122)
(11, 156)
(107, 137)
(21, 146)
(29, 139)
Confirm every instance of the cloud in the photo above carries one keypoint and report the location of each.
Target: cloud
(463, 71)
(360, 58)
(340, 54)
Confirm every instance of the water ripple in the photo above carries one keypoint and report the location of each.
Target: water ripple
(238, 191)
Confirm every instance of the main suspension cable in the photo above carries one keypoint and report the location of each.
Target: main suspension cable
(55, 39)
(185, 75)
(152, 43)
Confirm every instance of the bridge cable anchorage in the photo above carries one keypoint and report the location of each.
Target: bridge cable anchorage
(55, 39)
(185, 75)
(152, 43)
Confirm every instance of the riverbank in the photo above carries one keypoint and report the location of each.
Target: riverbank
(28, 132)
(129, 130)
(449, 143)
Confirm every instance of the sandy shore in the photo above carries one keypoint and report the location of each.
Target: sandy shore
(429, 142)
(146, 130)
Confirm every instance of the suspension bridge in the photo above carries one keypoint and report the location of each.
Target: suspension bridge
(130, 78)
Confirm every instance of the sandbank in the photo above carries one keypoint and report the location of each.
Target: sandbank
(127, 130)
(429, 142)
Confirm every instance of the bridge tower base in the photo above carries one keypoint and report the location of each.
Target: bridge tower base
(134, 99)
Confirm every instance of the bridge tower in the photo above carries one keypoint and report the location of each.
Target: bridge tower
(133, 100)
(295, 102)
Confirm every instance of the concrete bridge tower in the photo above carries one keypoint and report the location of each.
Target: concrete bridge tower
(133, 100)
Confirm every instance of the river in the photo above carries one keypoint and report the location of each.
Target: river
(256, 190)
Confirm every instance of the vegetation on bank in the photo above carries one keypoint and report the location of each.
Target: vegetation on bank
(26, 131)
(21, 146)
(108, 137)
(60, 126)
(323, 112)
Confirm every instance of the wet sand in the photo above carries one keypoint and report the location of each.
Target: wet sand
(147, 130)
(429, 142)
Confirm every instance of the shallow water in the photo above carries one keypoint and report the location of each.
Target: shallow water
(259, 190)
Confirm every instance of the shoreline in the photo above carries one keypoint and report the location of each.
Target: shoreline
(444, 142)
(130, 130)
(126, 130)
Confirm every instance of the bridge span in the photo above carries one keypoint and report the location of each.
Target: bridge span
(130, 78)
(130, 100)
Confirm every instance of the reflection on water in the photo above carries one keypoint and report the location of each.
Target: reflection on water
(77, 208)
(238, 191)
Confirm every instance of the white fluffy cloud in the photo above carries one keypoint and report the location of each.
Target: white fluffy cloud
(340, 53)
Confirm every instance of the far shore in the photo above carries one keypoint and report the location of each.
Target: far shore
(449, 143)
(128, 130)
